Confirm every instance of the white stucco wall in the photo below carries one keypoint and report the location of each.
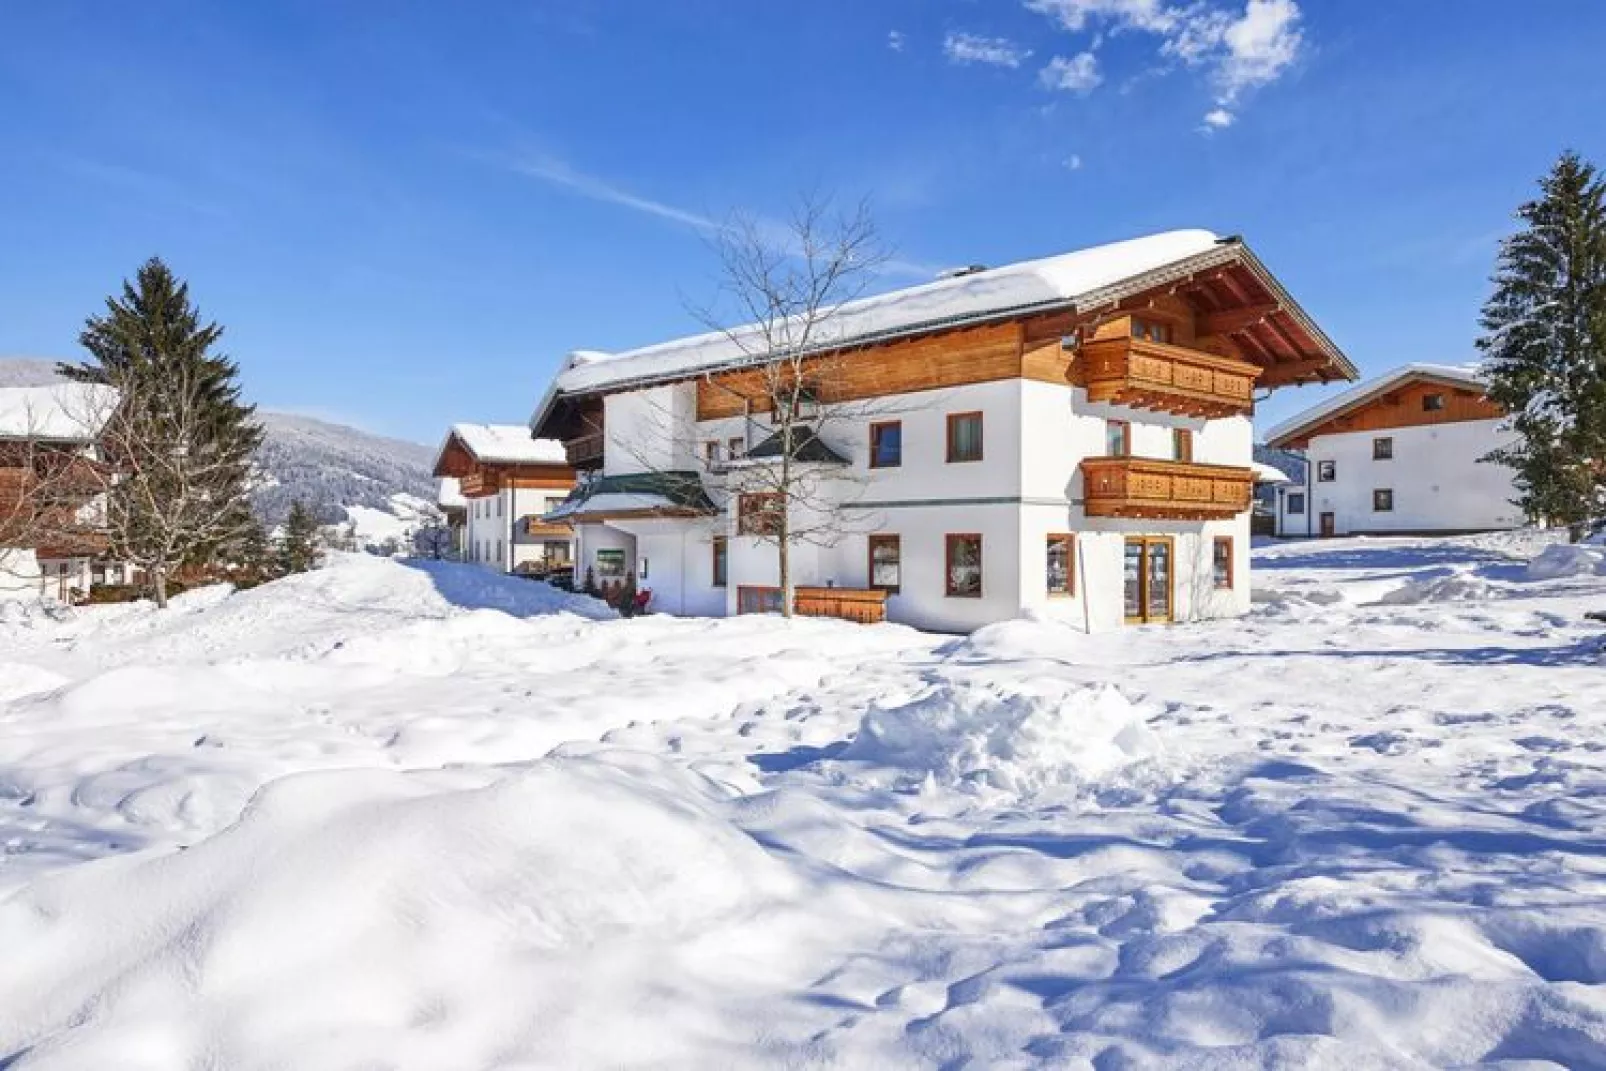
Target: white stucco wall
(19, 574)
(1438, 482)
(652, 430)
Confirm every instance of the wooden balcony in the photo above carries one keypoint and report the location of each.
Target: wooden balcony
(1173, 379)
(478, 483)
(867, 607)
(1149, 487)
(585, 451)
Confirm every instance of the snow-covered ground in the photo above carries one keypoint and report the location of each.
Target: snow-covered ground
(418, 816)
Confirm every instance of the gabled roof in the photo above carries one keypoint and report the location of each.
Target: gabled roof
(1454, 375)
(501, 444)
(60, 412)
(449, 494)
(807, 447)
(1085, 279)
(636, 493)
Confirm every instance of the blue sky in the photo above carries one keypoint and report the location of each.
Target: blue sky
(405, 213)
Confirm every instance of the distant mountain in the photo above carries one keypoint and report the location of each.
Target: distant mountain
(380, 485)
(343, 473)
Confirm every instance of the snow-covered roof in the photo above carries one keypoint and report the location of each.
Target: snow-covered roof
(449, 494)
(1466, 375)
(509, 444)
(1033, 284)
(1265, 473)
(60, 412)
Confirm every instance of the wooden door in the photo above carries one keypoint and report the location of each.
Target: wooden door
(1148, 579)
(1329, 526)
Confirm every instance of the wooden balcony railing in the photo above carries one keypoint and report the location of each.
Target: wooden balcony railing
(584, 451)
(1169, 490)
(1174, 379)
(479, 482)
(850, 604)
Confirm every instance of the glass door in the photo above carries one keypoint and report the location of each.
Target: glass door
(1146, 579)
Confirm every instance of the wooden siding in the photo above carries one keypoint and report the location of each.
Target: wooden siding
(1402, 408)
(933, 362)
(867, 607)
(1168, 377)
(483, 479)
(1149, 487)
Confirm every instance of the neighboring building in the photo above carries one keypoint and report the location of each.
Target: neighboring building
(1067, 436)
(1401, 454)
(507, 481)
(454, 511)
(52, 491)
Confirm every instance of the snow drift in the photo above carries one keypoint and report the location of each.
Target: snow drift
(333, 924)
(1018, 739)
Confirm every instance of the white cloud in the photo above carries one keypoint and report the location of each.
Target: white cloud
(1079, 74)
(895, 40)
(1073, 162)
(1219, 119)
(968, 48)
(1240, 48)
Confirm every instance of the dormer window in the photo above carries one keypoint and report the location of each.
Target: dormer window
(1151, 330)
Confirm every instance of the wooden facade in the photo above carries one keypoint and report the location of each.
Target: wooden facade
(477, 478)
(866, 607)
(1146, 487)
(1407, 405)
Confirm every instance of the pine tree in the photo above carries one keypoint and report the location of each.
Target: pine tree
(298, 546)
(1545, 347)
(252, 555)
(179, 440)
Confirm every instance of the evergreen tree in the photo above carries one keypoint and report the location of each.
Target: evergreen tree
(1545, 347)
(252, 555)
(179, 439)
(298, 546)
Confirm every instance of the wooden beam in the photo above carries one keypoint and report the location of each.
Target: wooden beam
(1230, 321)
(1288, 371)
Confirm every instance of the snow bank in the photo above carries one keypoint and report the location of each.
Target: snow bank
(1567, 559)
(1019, 738)
(403, 920)
(1460, 585)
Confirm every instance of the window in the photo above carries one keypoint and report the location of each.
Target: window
(1383, 500)
(964, 437)
(758, 600)
(1058, 566)
(1296, 503)
(711, 453)
(1117, 438)
(641, 568)
(759, 514)
(1383, 449)
(1432, 403)
(962, 566)
(498, 505)
(1221, 562)
(1181, 444)
(721, 560)
(886, 445)
(886, 562)
(610, 564)
(1326, 471)
(805, 406)
(1153, 330)
(736, 448)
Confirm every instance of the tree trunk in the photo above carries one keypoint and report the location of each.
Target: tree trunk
(159, 579)
(783, 549)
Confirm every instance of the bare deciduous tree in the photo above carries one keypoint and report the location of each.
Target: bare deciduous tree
(787, 291)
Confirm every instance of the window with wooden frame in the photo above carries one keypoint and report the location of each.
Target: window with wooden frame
(1383, 500)
(1181, 444)
(1221, 562)
(759, 514)
(711, 453)
(736, 448)
(964, 437)
(1152, 330)
(1432, 403)
(1059, 576)
(886, 444)
(1383, 448)
(1326, 471)
(962, 566)
(721, 561)
(1117, 438)
(1296, 503)
(758, 600)
(886, 563)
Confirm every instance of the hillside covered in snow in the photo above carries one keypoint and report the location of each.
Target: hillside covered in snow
(417, 816)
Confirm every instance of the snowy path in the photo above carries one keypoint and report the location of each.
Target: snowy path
(1363, 827)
